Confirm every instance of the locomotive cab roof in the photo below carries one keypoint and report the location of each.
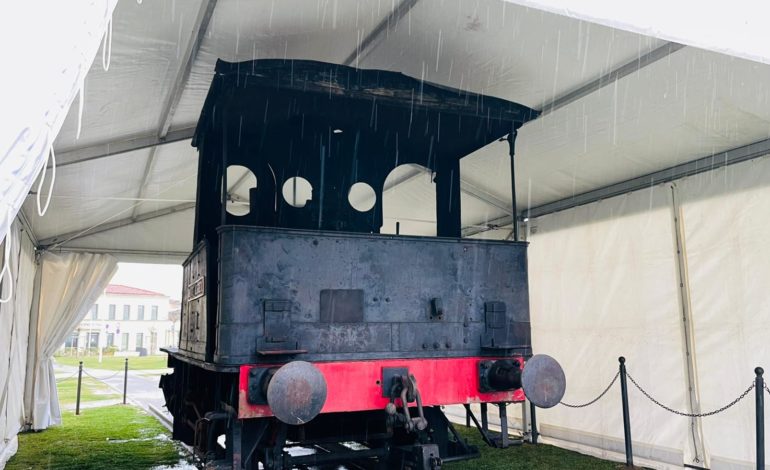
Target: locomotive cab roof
(335, 126)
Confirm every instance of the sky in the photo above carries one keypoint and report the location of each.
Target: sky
(163, 278)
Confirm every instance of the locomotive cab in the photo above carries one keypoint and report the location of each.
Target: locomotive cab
(302, 321)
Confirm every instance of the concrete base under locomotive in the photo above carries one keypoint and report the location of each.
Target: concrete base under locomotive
(302, 324)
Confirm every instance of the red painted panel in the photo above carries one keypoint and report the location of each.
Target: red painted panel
(354, 386)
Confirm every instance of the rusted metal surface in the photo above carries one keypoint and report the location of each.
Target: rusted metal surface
(297, 392)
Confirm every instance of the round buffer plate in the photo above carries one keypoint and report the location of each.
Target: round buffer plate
(543, 381)
(297, 392)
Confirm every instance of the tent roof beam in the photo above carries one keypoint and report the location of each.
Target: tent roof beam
(58, 240)
(205, 11)
(667, 175)
(611, 77)
(131, 144)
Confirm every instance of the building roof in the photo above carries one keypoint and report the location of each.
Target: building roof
(119, 289)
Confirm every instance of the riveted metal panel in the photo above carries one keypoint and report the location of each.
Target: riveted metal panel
(393, 279)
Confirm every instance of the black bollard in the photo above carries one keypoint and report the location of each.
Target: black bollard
(125, 381)
(626, 417)
(759, 394)
(533, 423)
(80, 381)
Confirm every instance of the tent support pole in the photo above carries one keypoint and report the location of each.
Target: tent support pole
(514, 218)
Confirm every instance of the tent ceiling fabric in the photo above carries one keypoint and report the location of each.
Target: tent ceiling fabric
(689, 104)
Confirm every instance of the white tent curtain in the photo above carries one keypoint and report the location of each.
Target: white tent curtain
(14, 328)
(604, 282)
(726, 216)
(51, 56)
(69, 284)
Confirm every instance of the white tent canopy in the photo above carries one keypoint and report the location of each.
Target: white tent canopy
(644, 146)
(617, 105)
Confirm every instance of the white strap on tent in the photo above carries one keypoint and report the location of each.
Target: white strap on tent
(5, 274)
(106, 49)
(51, 156)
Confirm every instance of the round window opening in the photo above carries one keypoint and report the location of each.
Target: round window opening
(362, 197)
(297, 191)
(240, 180)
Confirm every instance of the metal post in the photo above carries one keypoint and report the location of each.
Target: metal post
(759, 393)
(626, 417)
(125, 381)
(511, 141)
(80, 381)
(484, 418)
(533, 423)
(504, 441)
(467, 417)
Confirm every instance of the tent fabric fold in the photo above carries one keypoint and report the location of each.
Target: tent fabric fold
(73, 282)
(14, 332)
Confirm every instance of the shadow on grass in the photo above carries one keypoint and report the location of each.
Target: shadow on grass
(115, 437)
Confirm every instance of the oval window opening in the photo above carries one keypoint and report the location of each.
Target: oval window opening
(362, 197)
(239, 180)
(297, 191)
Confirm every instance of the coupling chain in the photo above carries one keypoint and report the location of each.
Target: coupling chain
(692, 415)
(765, 385)
(612, 382)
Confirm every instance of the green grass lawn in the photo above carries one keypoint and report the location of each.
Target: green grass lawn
(124, 437)
(90, 390)
(115, 363)
(526, 457)
(115, 437)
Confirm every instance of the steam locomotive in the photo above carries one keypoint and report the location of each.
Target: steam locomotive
(309, 337)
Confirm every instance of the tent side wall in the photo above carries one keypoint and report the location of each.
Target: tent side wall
(14, 332)
(605, 282)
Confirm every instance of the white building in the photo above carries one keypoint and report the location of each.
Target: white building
(130, 319)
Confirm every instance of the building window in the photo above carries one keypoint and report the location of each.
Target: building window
(95, 312)
(72, 340)
(140, 313)
(126, 312)
(110, 340)
(139, 340)
(154, 313)
(93, 340)
(111, 314)
(124, 342)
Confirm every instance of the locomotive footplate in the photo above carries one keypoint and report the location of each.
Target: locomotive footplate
(358, 385)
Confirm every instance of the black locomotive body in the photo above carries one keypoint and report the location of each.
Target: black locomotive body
(301, 322)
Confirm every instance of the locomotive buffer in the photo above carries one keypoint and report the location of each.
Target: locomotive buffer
(303, 324)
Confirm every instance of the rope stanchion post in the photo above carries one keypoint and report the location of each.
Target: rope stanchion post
(759, 390)
(125, 380)
(80, 381)
(626, 417)
(533, 423)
